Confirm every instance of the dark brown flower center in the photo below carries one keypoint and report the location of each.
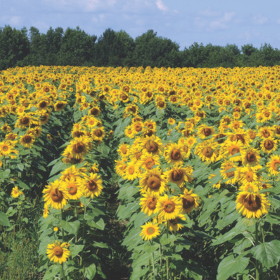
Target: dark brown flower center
(251, 157)
(252, 203)
(218, 138)
(92, 185)
(169, 206)
(27, 139)
(151, 146)
(151, 203)
(188, 202)
(149, 163)
(56, 195)
(268, 144)
(207, 131)
(25, 120)
(72, 188)
(154, 182)
(79, 148)
(234, 150)
(208, 152)
(177, 175)
(58, 251)
(176, 155)
(98, 132)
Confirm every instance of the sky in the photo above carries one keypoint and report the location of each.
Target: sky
(216, 22)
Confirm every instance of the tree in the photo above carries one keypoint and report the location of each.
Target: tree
(14, 46)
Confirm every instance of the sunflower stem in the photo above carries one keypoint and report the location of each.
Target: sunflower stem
(62, 228)
(62, 272)
(153, 262)
(84, 222)
(167, 268)
(160, 260)
(257, 241)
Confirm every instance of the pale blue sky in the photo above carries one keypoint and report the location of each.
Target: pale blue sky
(218, 22)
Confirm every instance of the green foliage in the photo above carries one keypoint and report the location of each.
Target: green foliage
(117, 48)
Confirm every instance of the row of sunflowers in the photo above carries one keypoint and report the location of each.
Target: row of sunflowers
(193, 152)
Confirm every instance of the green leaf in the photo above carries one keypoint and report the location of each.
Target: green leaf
(71, 227)
(168, 239)
(4, 221)
(268, 253)
(150, 248)
(100, 245)
(22, 184)
(99, 224)
(90, 271)
(230, 266)
(59, 166)
(75, 249)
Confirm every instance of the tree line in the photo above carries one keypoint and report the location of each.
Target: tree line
(75, 47)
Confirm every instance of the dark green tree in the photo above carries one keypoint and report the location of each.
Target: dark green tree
(14, 46)
(77, 48)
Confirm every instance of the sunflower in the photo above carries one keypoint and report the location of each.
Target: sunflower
(123, 150)
(189, 201)
(55, 196)
(94, 111)
(147, 161)
(251, 134)
(249, 187)
(265, 132)
(171, 121)
(179, 175)
(175, 154)
(190, 141)
(16, 192)
(59, 106)
(205, 131)
(93, 185)
(149, 231)
(72, 172)
(148, 202)
(152, 144)
(250, 156)
(6, 148)
(24, 120)
(153, 180)
(252, 204)
(79, 147)
(173, 224)
(161, 104)
(98, 134)
(269, 145)
(232, 150)
(186, 148)
(27, 140)
(6, 128)
(274, 165)
(132, 171)
(207, 151)
(43, 117)
(73, 187)
(248, 174)
(58, 252)
(168, 208)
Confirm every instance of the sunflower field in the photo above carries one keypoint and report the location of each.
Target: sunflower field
(140, 173)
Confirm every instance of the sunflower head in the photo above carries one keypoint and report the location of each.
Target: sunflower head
(57, 252)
